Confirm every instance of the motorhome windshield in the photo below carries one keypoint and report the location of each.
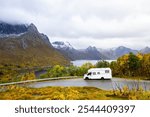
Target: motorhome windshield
(89, 73)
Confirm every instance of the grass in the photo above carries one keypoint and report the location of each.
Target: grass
(55, 93)
(68, 93)
(133, 77)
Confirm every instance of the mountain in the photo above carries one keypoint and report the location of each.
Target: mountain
(114, 53)
(145, 50)
(62, 45)
(108, 53)
(7, 29)
(121, 50)
(66, 49)
(90, 53)
(24, 46)
(93, 53)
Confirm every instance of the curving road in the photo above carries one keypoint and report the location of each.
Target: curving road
(102, 84)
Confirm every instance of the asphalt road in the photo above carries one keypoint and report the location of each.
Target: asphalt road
(102, 84)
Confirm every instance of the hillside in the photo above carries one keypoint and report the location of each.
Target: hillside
(24, 46)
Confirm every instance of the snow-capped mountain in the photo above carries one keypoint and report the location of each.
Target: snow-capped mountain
(90, 53)
(94, 53)
(62, 45)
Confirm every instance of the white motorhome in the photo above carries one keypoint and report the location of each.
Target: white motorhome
(98, 73)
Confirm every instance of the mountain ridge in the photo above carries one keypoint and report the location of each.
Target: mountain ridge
(97, 53)
(89, 53)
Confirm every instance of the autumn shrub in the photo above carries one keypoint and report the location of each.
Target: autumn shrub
(131, 65)
(102, 64)
(52, 93)
(27, 76)
(59, 71)
(135, 93)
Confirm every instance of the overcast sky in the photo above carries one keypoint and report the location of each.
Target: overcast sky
(100, 23)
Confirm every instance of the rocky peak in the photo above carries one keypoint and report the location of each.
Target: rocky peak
(45, 39)
(32, 28)
(8, 29)
(90, 48)
(25, 34)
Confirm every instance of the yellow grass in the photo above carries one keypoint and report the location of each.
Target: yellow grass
(69, 93)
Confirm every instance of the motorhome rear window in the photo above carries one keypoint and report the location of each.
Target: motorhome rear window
(106, 71)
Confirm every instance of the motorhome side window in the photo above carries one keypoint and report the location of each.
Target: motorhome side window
(98, 72)
(106, 71)
(94, 73)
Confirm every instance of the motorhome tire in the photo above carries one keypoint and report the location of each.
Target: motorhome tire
(102, 78)
(86, 78)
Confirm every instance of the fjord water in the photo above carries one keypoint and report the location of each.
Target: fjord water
(81, 62)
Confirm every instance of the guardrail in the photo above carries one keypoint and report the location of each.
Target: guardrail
(39, 80)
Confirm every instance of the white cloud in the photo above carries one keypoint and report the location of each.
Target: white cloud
(97, 22)
(81, 43)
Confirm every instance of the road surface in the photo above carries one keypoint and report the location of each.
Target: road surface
(102, 84)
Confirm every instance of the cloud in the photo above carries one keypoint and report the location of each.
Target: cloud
(103, 21)
(82, 43)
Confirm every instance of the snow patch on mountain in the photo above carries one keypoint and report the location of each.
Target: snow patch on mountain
(62, 45)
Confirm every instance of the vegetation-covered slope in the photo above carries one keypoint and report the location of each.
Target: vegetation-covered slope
(29, 49)
(69, 93)
(22, 47)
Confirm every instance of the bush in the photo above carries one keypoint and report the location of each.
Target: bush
(136, 93)
(28, 76)
(59, 71)
(102, 64)
(130, 65)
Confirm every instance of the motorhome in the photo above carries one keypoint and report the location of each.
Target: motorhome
(98, 73)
